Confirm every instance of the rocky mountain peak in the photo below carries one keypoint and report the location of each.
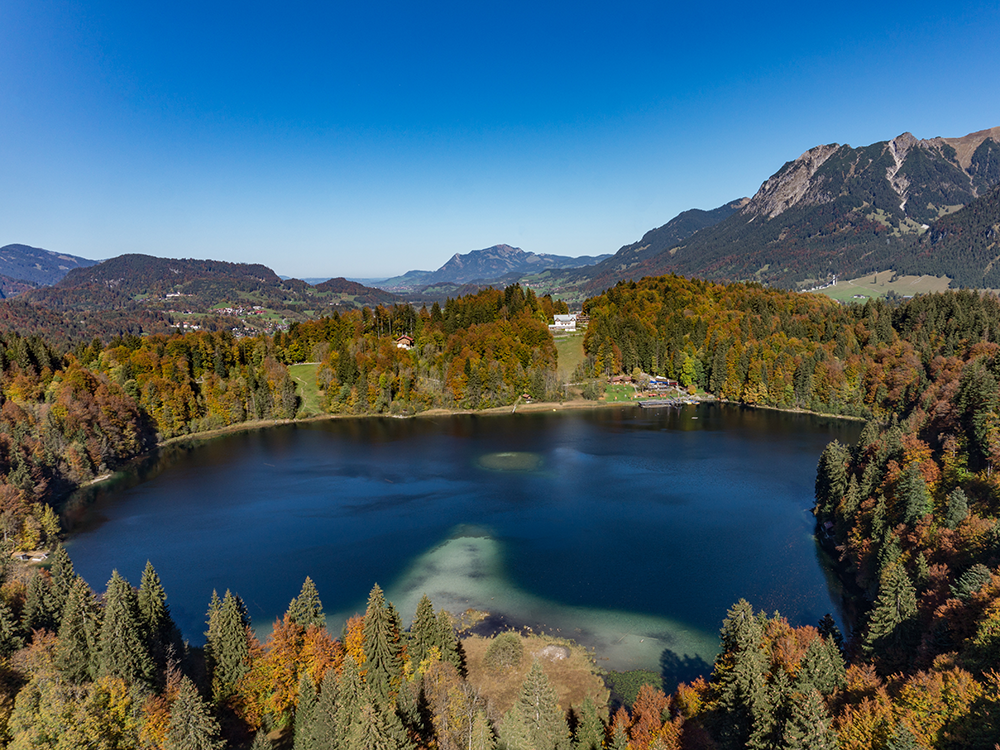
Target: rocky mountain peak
(790, 184)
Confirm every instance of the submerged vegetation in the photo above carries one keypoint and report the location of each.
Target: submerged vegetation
(911, 512)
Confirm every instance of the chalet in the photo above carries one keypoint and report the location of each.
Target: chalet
(563, 323)
(404, 342)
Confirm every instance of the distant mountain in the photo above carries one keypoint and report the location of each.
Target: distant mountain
(12, 287)
(361, 294)
(835, 209)
(40, 267)
(489, 264)
(964, 245)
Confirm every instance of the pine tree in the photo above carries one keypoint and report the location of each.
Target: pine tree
(351, 694)
(590, 730)
(123, 651)
(40, 605)
(383, 670)
(261, 742)
(822, 668)
(828, 629)
(740, 679)
(157, 624)
(482, 736)
(227, 652)
(958, 508)
(63, 578)
(831, 476)
(902, 739)
(451, 647)
(77, 655)
(10, 632)
(305, 715)
(890, 628)
(324, 727)
(425, 632)
(514, 731)
(540, 712)
(913, 493)
(809, 726)
(306, 609)
(192, 726)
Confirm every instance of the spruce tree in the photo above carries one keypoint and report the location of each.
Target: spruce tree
(822, 668)
(351, 694)
(306, 609)
(158, 626)
(831, 477)
(10, 632)
(890, 628)
(261, 742)
(809, 725)
(305, 715)
(77, 655)
(958, 508)
(540, 710)
(40, 605)
(227, 651)
(425, 632)
(590, 729)
(913, 494)
(324, 727)
(63, 578)
(451, 647)
(383, 670)
(481, 735)
(514, 731)
(192, 726)
(739, 680)
(123, 651)
(902, 739)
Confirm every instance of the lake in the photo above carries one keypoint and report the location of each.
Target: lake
(632, 531)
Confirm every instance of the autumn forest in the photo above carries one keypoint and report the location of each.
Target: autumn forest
(910, 514)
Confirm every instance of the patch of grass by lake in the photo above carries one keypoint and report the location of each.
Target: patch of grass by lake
(570, 349)
(619, 393)
(304, 376)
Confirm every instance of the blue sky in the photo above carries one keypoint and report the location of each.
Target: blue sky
(369, 139)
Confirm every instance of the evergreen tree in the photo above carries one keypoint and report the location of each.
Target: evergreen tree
(425, 632)
(451, 647)
(539, 710)
(740, 679)
(913, 494)
(958, 508)
(305, 715)
(971, 581)
(63, 578)
(351, 694)
(822, 668)
(831, 476)
(77, 655)
(227, 652)
(514, 731)
(890, 628)
(40, 605)
(809, 725)
(10, 633)
(306, 609)
(123, 651)
(383, 670)
(192, 726)
(590, 729)
(161, 633)
(830, 632)
(325, 717)
(482, 736)
(902, 739)
(261, 742)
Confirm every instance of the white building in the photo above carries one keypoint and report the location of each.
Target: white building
(563, 323)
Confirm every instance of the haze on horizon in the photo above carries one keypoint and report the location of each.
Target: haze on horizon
(367, 140)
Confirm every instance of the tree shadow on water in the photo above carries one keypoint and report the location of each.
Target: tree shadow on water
(676, 668)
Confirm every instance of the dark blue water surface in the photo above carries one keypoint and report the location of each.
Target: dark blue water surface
(670, 513)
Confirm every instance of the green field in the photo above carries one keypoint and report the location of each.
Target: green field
(619, 393)
(304, 376)
(881, 283)
(570, 349)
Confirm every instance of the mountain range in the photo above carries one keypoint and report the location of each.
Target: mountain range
(486, 265)
(835, 209)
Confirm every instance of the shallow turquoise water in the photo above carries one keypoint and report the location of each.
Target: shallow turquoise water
(632, 531)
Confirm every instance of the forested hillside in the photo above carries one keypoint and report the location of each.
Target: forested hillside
(910, 513)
